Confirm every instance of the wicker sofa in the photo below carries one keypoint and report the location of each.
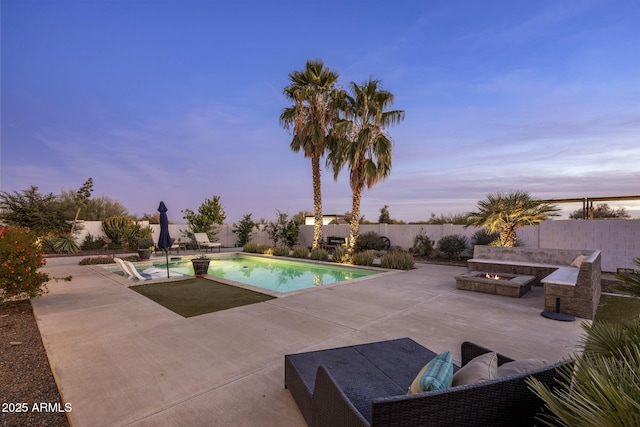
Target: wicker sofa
(366, 385)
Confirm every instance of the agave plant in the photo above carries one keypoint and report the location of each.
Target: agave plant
(604, 386)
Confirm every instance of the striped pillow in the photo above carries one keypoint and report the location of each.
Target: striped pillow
(436, 375)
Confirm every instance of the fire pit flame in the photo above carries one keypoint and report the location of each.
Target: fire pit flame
(493, 276)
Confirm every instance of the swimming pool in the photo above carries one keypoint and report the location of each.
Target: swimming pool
(271, 273)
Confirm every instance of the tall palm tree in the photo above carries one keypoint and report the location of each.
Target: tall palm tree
(313, 92)
(360, 141)
(507, 212)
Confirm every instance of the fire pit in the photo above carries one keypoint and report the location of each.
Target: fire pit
(510, 285)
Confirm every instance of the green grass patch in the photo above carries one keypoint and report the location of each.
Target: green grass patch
(193, 297)
(617, 309)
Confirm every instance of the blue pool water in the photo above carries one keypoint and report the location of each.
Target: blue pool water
(271, 273)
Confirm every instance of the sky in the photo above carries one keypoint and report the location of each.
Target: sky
(180, 100)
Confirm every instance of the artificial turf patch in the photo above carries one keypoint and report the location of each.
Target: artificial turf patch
(193, 297)
(617, 309)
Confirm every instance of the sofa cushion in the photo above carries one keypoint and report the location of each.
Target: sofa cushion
(520, 366)
(480, 368)
(436, 375)
(578, 261)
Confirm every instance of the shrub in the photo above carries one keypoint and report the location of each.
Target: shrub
(20, 259)
(115, 228)
(363, 258)
(97, 260)
(300, 252)
(319, 255)
(422, 244)
(281, 250)
(91, 243)
(369, 241)
(453, 245)
(483, 237)
(251, 248)
(340, 254)
(399, 260)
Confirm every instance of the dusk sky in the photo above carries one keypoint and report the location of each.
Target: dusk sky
(180, 100)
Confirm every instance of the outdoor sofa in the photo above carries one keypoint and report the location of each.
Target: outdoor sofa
(367, 384)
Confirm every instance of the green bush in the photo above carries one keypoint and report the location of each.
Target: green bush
(20, 260)
(452, 246)
(300, 252)
(91, 243)
(369, 241)
(483, 237)
(363, 258)
(251, 248)
(399, 260)
(340, 254)
(319, 255)
(281, 250)
(104, 259)
(422, 244)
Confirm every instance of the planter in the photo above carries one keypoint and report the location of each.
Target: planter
(200, 267)
(144, 253)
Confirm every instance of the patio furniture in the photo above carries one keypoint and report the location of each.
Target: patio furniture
(366, 385)
(203, 242)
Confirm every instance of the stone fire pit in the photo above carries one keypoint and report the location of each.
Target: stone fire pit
(510, 285)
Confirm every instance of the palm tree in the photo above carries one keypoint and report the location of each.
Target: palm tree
(314, 93)
(507, 212)
(360, 141)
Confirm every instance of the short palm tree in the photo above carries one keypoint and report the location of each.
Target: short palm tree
(630, 281)
(313, 92)
(604, 387)
(507, 212)
(361, 142)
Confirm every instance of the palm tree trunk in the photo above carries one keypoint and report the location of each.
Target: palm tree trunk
(355, 218)
(317, 202)
(508, 237)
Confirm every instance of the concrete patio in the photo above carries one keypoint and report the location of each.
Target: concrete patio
(122, 360)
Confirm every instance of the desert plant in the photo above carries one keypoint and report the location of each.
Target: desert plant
(104, 259)
(144, 243)
(422, 244)
(399, 260)
(64, 244)
(283, 230)
(631, 281)
(300, 252)
(116, 228)
(281, 250)
(453, 245)
(20, 261)
(507, 212)
(483, 237)
(91, 243)
(244, 229)
(319, 255)
(369, 241)
(603, 388)
(363, 258)
(251, 248)
(340, 254)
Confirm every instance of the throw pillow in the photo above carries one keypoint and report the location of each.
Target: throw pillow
(436, 375)
(480, 368)
(578, 261)
(520, 366)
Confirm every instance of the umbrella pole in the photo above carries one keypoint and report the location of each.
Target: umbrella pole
(166, 256)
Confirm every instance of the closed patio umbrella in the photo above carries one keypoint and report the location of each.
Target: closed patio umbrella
(164, 241)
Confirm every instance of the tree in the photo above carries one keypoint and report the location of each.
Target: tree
(283, 230)
(41, 213)
(385, 217)
(244, 229)
(314, 95)
(210, 214)
(361, 142)
(507, 212)
(602, 210)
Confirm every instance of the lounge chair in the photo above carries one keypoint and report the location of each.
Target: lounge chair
(148, 274)
(203, 242)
